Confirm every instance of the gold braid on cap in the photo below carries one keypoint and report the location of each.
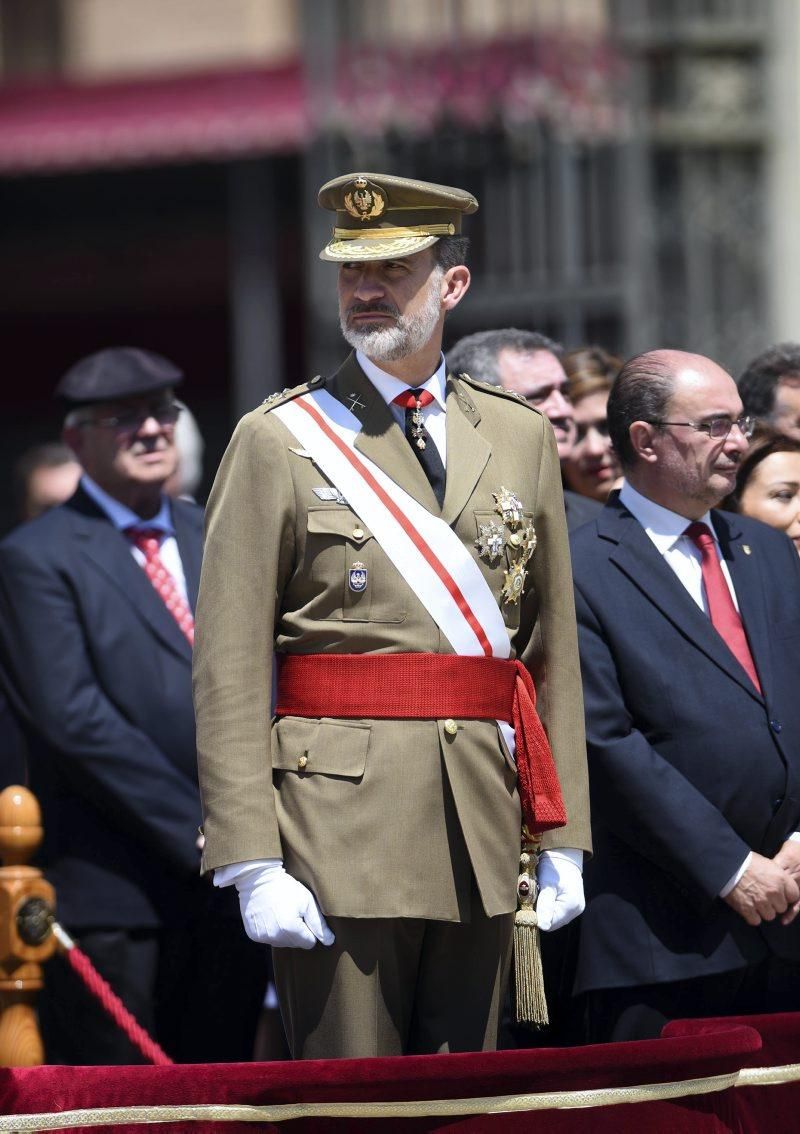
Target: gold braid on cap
(389, 233)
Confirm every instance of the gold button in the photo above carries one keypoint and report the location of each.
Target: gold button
(358, 533)
(302, 761)
(450, 727)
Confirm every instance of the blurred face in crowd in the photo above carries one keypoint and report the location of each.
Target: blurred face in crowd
(390, 309)
(49, 485)
(591, 467)
(685, 469)
(772, 494)
(127, 446)
(785, 416)
(539, 377)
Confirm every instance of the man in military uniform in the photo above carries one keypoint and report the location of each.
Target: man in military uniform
(396, 535)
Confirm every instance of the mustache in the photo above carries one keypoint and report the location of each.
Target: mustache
(372, 309)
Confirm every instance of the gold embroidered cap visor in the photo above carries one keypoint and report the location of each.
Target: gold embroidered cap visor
(382, 217)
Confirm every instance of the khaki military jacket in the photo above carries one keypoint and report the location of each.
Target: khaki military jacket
(379, 818)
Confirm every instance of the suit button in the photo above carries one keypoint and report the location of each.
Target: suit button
(301, 762)
(776, 804)
(358, 533)
(450, 727)
(775, 726)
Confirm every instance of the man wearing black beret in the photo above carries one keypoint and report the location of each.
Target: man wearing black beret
(96, 632)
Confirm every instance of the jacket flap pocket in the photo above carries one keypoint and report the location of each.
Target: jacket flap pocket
(337, 521)
(325, 747)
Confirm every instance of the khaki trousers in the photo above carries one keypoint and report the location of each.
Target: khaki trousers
(396, 986)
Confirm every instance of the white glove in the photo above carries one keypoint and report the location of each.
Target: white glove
(276, 909)
(560, 878)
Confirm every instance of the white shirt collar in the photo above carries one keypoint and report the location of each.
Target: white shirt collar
(663, 526)
(123, 517)
(389, 387)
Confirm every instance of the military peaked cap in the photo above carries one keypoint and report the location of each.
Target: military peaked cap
(380, 216)
(116, 373)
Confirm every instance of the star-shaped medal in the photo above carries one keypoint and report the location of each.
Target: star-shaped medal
(509, 505)
(514, 583)
(491, 541)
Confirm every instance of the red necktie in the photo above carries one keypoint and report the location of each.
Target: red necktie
(725, 618)
(148, 542)
(413, 399)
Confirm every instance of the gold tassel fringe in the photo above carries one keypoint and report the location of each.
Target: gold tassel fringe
(531, 1004)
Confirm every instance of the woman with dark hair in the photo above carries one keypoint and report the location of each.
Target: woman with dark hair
(768, 484)
(591, 468)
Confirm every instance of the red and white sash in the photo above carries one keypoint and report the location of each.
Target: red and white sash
(424, 549)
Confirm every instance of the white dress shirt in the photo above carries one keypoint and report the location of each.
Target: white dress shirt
(433, 415)
(666, 529)
(122, 518)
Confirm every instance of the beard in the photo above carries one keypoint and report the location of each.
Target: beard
(409, 334)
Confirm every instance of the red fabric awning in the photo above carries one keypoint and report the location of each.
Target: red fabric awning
(569, 81)
(48, 128)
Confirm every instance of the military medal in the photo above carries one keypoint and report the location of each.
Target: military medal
(509, 505)
(528, 541)
(514, 583)
(358, 577)
(329, 492)
(491, 541)
(521, 542)
(417, 426)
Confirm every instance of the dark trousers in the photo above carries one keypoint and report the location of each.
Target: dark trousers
(196, 990)
(616, 1014)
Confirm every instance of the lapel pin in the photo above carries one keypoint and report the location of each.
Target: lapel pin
(355, 403)
(746, 549)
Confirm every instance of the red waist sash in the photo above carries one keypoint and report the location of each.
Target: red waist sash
(431, 687)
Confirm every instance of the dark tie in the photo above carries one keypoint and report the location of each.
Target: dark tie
(413, 402)
(725, 618)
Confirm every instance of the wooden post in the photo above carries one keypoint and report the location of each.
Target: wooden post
(27, 904)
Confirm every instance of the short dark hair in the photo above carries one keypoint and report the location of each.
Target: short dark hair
(764, 444)
(641, 392)
(760, 378)
(450, 251)
(477, 354)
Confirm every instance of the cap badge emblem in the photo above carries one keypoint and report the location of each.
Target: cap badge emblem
(358, 577)
(364, 200)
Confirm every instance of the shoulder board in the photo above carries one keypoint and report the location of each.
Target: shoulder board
(291, 392)
(490, 388)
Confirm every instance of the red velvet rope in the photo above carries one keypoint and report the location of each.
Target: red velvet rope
(115, 1008)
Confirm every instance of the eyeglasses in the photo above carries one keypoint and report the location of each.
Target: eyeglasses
(719, 427)
(129, 421)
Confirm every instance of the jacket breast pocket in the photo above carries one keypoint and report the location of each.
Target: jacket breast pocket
(355, 580)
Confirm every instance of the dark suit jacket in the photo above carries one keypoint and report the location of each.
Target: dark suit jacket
(100, 676)
(689, 766)
(579, 509)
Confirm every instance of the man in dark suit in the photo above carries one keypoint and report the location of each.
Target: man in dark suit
(689, 627)
(96, 630)
(528, 363)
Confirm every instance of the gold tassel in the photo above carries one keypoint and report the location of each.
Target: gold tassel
(531, 1004)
